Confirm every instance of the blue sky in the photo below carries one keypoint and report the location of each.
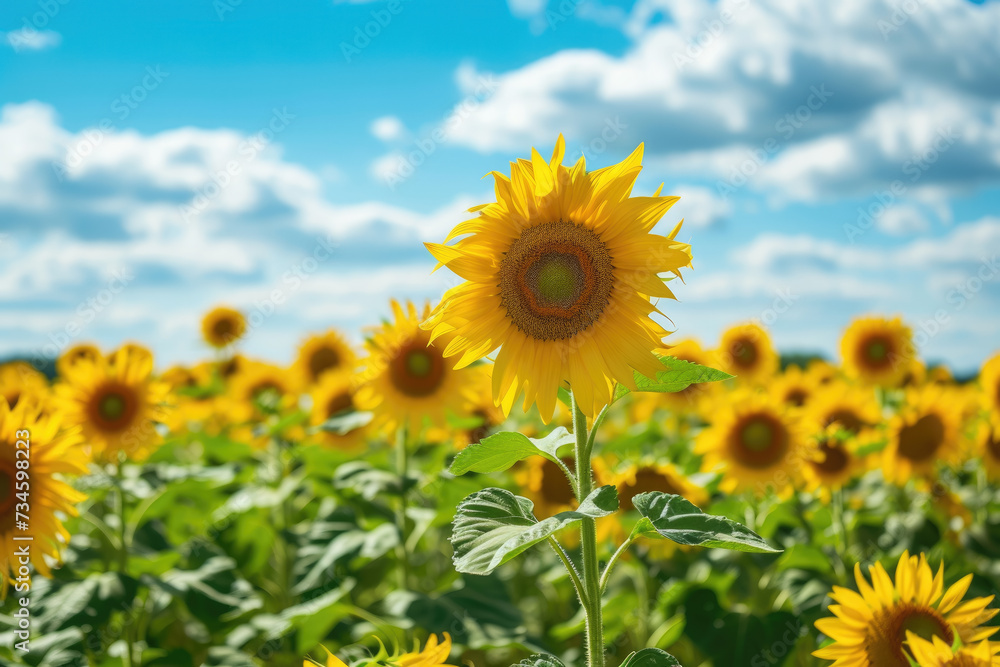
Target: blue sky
(833, 159)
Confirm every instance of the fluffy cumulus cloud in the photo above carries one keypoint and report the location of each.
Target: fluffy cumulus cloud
(158, 227)
(808, 100)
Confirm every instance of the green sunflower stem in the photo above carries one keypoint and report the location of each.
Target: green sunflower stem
(123, 543)
(402, 469)
(588, 543)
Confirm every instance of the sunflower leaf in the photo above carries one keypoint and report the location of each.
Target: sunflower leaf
(678, 376)
(673, 517)
(502, 450)
(650, 657)
(493, 526)
(540, 660)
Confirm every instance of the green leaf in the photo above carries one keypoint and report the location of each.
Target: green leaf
(650, 657)
(540, 660)
(502, 450)
(676, 519)
(493, 526)
(679, 376)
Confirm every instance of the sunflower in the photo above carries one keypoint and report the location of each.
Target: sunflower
(223, 326)
(406, 377)
(258, 387)
(988, 445)
(53, 452)
(925, 432)
(194, 398)
(559, 274)
(746, 351)
(936, 653)
(832, 461)
(434, 655)
(876, 350)
(853, 409)
(870, 629)
(75, 354)
(327, 352)
(116, 403)
(545, 484)
(331, 396)
(989, 383)
(822, 371)
(756, 443)
(19, 380)
(794, 387)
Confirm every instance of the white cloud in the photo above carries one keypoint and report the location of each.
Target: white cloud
(29, 39)
(902, 220)
(388, 128)
(699, 206)
(835, 105)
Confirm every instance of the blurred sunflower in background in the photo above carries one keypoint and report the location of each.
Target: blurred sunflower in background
(989, 384)
(559, 275)
(832, 461)
(434, 654)
(223, 326)
(258, 388)
(877, 350)
(333, 396)
(75, 354)
(988, 445)
(324, 353)
(19, 380)
(483, 415)
(853, 409)
(116, 403)
(545, 484)
(794, 387)
(692, 399)
(54, 451)
(869, 627)
(406, 379)
(746, 351)
(756, 443)
(925, 433)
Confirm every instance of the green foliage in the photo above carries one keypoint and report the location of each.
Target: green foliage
(678, 376)
(673, 517)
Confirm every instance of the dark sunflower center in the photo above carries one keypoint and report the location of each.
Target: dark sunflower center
(759, 441)
(556, 280)
(339, 403)
(418, 370)
(848, 420)
(555, 487)
(224, 329)
(993, 444)
(479, 432)
(835, 458)
(323, 360)
(920, 440)
(646, 480)
(745, 353)
(6, 491)
(886, 634)
(796, 396)
(13, 397)
(113, 407)
(877, 351)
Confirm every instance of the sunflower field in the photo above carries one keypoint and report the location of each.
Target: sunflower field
(531, 472)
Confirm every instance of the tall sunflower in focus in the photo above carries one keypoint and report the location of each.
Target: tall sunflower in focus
(925, 433)
(18, 379)
(756, 443)
(936, 653)
(746, 351)
(559, 275)
(869, 628)
(324, 353)
(223, 326)
(989, 383)
(406, 377)
(877, 350)
(54, 451)
(116, 403)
